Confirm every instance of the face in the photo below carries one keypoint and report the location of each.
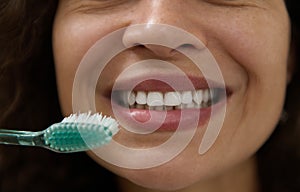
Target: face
(249, 39)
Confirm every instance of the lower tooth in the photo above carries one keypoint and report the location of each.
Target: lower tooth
(181, 106)
(139, 106)
(159, 108)
(190, 106)
(169, 107)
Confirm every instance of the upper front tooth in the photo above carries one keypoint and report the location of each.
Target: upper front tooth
(155, 99)
(198, 96)
(172, 99)
(131, 98)
(186, 97)
(141, 97)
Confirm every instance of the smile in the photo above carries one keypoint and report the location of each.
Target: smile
(172, 100)
(153, 103)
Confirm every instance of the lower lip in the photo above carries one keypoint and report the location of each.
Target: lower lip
(143, 119)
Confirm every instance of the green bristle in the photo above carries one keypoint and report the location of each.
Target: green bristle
(71, 136)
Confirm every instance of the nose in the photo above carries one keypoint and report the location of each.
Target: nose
(159, 26)
(160, 51)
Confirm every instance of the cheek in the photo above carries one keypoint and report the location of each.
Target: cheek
(261, 50)
(255, 47)
(260, 47)
(72, 37)
(67, 54)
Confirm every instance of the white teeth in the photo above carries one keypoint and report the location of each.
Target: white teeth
(172, 99)
(169, 108)
(186, 97)
(141, 98)
(155, 100)
(206, 95)
(198, 96)
(191, 105)
(131, 98)
(158, 108)
(139, 106)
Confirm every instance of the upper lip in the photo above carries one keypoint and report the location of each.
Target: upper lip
(163, 83)
(155, 75)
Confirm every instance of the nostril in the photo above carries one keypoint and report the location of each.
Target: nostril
(137, 45)
(160, 50)
(186, 45)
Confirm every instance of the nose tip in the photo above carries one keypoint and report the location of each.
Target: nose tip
(143, 34)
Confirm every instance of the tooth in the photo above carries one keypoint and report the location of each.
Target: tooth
(159, 108)
(139, 106)
(155, 99)
(198, 96)
(197, 106)
(187, 106)
(172, 99)
(169, 108)
(141, 98)
(186, 97)
(181, 106)
(190, 105)
(131, 98)
(206, 95)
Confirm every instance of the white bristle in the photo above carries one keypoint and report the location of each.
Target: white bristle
(95, 118)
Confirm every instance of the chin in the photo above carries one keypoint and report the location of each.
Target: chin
(174, 175)
(157, 180)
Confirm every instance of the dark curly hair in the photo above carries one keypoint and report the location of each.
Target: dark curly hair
(25, 44)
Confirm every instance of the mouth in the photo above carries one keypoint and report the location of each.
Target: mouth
(143, 106)
(166, 101)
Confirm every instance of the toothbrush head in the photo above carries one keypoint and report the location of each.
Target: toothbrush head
(80, 132)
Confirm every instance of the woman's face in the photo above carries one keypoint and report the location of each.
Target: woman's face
(249, 39)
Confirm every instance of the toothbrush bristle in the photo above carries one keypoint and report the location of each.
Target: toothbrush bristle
(80, 132)
(96, 118)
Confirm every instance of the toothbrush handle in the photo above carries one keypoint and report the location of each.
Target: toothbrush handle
(26, 138)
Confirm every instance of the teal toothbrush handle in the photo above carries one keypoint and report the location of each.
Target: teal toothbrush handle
(26, 138)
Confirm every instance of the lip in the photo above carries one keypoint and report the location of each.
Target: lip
(146, 120)
(163, 83)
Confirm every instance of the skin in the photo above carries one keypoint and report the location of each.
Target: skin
(250, 41)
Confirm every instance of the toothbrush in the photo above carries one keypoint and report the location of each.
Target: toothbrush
(75, 133)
